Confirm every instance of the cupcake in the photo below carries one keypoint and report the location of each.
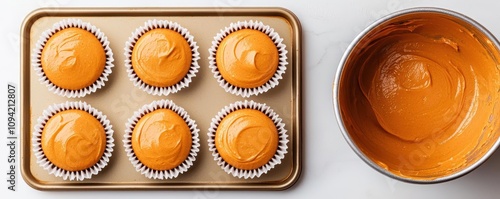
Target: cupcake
(247, 139)
(73, 58)
(161, 57)
(248, 58)
(73, 140)
(161, 140)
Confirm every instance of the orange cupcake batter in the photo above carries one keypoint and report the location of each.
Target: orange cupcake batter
(73, 140)
(161, 57)
(161, 140)
(73, 59)
(247, 58)
(421, 99)
(246, 139)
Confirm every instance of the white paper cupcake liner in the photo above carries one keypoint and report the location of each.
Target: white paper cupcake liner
(40, 44)
(282, 139)
(255, 25)
(161, 174)
(154, 90)
(59, 172)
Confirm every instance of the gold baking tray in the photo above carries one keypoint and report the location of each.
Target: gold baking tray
(202, 99)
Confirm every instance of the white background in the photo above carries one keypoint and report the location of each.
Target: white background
(331, 168)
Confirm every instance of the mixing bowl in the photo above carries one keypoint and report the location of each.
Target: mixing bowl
(416, 95)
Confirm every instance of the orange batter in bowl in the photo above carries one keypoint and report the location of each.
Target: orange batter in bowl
(420, 97)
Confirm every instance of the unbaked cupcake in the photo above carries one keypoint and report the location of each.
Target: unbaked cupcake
(161, 140)
(248, 58)
(73, 140)
(247, 139)
(73, 58)
(161, 57)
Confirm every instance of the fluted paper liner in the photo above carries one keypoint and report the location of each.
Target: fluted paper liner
(59, 172)
(161, 174)
(154, 90)
(61, 25)
(282, 139)
(255, 25)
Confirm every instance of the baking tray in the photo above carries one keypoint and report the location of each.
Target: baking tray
(202, 99)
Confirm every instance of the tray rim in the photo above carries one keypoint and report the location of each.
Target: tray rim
(25, 105)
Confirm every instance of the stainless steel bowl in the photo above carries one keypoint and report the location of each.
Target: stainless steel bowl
(363, 38)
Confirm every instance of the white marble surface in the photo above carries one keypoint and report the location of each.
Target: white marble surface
(331, 168)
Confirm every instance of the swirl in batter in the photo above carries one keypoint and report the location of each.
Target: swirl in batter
(246, 139)
(73, 140)
(161, 140)
(161, 57)
(73, 58)
(247, 58)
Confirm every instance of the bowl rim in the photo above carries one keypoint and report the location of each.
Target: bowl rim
(340, 70)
